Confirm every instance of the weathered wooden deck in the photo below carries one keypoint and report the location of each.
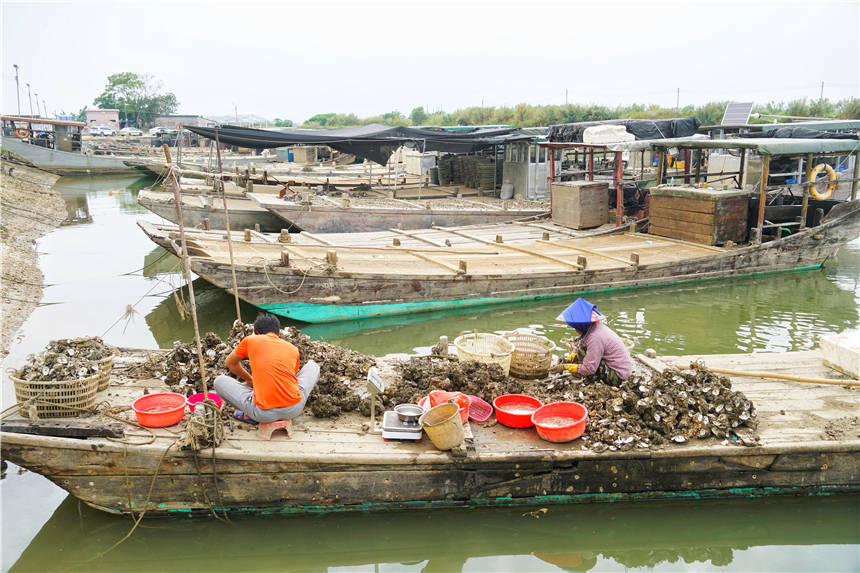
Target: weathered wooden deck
(336, 465)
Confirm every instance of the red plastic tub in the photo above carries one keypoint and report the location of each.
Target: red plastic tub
(159, 410)
(515, 410)
(560, 421)
(195, 399)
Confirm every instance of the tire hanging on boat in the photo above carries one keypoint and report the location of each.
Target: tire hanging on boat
(831, 174)
(22, 132)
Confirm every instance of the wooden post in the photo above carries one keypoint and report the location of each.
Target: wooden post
(206, 225)
(249, 186)
(396, 242)
(257, 227)
(265, 176)
(331, 258)
(765, 169)
(284, 237)
(856, 176)
(741, 168)
(227, 224)
(551, 152)
(590, 164)
(187, 264)
(582, 262)
(285, 259)
(247, 235)
(806, 189)
(634, 258)
(687, 166)
(660, 161)
(545, 236)
(464, 269)
(499, 239)
(699, 156)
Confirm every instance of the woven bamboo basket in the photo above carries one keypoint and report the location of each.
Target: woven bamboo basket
(105, 366)
(486, 348)
(57, 398)
(532, 357)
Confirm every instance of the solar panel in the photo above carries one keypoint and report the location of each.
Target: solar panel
(737, 113)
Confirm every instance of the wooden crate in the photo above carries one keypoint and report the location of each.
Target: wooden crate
(706, 216)
(580, 204)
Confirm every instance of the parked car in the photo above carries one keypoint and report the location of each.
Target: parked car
(156, 131)
(130, 132)
(101, 130)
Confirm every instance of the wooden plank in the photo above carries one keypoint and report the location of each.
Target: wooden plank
(512, 248)
(424, 257)
(314, 238)
(681, 204)
(687, 243)
(669, 232)
(417, 237)
(586, 251)
(64, 428)
(678, 224)
(687, 216)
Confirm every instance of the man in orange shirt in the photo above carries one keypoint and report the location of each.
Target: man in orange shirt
(278, 389)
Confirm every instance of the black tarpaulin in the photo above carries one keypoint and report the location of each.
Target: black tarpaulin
(375, 142)
(641, 128)
(799, 133)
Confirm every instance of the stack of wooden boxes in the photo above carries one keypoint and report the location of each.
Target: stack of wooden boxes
(580, 204)
(705, 216)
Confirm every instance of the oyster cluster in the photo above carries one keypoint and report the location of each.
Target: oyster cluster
(672, 407)
(420, 375)
(66, 359)
(342, 374)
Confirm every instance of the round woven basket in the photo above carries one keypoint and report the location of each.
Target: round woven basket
(486, 348)
(57, 398)
(532, 357)
(105, 365)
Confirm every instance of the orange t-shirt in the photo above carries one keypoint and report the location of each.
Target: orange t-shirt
(274, 363)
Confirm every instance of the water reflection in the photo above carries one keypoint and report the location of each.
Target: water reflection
(575, 538)
(77, 191)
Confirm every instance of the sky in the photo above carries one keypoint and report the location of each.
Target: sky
(292, 60)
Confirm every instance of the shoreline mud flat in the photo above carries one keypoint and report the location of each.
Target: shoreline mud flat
(29, 208)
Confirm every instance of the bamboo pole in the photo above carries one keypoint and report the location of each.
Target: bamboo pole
(806, 188)
(187, 265)
(832, 381)
(227, 224)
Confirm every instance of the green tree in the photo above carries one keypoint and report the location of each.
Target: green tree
(138, 97)
(283, 122)
(418, 116)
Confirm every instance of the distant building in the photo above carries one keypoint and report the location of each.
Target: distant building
(106, 117)
(177, 121)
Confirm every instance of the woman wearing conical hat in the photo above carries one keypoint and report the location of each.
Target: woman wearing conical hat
(601, 353)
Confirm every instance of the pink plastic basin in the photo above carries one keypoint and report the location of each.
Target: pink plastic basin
(195, 399)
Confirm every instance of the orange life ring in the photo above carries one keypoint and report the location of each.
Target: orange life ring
(22, 132)
(831, 174)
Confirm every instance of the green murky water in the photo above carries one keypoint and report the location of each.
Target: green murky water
(101, 262)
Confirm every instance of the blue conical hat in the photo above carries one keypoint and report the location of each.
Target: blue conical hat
(580, 315)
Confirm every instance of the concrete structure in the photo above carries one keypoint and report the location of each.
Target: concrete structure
(106, 117)
(177, 121)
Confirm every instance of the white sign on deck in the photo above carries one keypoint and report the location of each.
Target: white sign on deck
(374, 379)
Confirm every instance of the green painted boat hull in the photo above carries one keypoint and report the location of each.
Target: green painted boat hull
(320, 313)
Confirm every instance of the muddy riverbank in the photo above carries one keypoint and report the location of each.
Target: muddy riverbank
(29, 208)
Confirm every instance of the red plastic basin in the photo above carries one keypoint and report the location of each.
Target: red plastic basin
(195, 399)
(560, 421)
(515, 410)
(159, 410)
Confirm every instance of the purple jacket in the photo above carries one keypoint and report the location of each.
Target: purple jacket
(603, 344)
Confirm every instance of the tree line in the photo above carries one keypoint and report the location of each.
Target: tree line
(524, 115)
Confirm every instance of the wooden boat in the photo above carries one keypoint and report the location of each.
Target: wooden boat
(329, 283)
(321, 214)
(55, 146)
(334, 465)
(197, 208)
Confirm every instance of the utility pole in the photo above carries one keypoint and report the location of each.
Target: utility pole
(30, 98)
(677, 99)
(17, 89)
(37, 106)
(565, 96)
(822, 91)
(236, 112)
